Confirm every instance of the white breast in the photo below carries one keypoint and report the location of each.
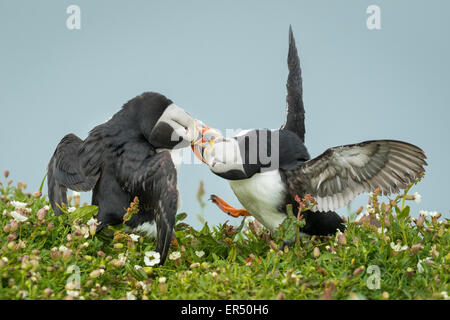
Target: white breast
(147, 228)
(261, 195)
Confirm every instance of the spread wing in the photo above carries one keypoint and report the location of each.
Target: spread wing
(295, 116)
(338, 175)
(153, 177)
(65, 171)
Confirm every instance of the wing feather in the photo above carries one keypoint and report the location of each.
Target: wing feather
(338, 175)
(153, 177)
(65, 171)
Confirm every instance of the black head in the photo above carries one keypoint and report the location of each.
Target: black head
(255, 151)
(163, 123)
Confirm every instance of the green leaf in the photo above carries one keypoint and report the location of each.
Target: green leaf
(42, 183)
(84, 213)
(404, 214)
(181, 216)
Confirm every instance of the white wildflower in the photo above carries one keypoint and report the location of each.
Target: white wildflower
(143, 286)
(63, 248)
(122, 257)
(175, 255)
(71, 209)
(92, 221)
(444, 295)
(131, 296)
(249, 220)
(18, 204)
(134, 237)
(152, 258)
(18, 217)
(84, 245)
(5, 212)
(46, 207)
(398, 247)
(138, 267)
(162, 280)
(420, 268)
(428, 213)
(73, 293)
(200, 253)
(417, 197)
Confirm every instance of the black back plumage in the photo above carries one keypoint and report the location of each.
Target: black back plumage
(118, 162)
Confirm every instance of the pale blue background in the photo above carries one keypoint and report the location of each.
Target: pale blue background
(226, 64)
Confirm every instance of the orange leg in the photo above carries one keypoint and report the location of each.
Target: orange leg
(228, 209)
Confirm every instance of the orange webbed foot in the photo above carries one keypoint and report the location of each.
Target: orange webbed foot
(228, 209)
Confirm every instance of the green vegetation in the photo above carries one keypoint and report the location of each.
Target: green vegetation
(384, 255)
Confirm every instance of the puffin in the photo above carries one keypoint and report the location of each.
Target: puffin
(132, 154)
(268, 169)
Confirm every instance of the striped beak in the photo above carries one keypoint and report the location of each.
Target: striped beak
(205, 139)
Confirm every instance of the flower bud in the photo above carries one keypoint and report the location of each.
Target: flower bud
(148, 270)
(67, 254)
(6, 174)
(205, 265)
(409, 271)
(118, 245)
(50, 226)
(48, 292)
(342, 238)
(54, 253)
(195, 265)
(316, 252)
(37, 194)
(358, 270)
(41, 214)
(11, 237)
(273, 246)
(416, 248)
(14, 226)
(360, 209)
(117, 263)
(96, 273)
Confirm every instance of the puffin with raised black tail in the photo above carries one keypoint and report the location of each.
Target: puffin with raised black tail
(129, 155)
(267, 169)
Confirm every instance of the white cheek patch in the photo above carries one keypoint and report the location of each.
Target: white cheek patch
(181, 122)
(224, 156)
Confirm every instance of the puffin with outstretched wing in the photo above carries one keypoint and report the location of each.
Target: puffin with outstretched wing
(268, 169)
(130, 155)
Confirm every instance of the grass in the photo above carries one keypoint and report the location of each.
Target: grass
(385, 255)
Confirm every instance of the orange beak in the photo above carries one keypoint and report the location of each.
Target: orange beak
(199, 146)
